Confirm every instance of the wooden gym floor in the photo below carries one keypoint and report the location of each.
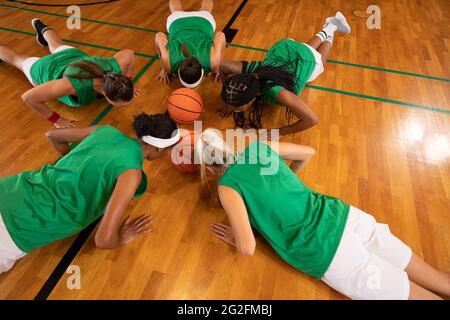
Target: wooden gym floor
(383, 145)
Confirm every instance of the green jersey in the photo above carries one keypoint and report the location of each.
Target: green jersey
(197, 35)
(295, 57)
(304, 227)
(59, 200)
(55, 67)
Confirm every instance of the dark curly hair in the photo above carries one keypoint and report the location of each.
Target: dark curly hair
(156, 125)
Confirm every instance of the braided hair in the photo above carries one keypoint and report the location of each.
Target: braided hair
(241, 89)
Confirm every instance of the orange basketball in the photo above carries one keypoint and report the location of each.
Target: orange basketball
(185, 105)
(182, 154)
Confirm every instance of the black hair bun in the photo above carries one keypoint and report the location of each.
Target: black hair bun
(155, 125)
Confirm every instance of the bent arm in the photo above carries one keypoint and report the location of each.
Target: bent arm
(163, 53)
(229, 68)
(38, 97)
(237, 215)
(300, 155)
(125, 58)
(108, 233)
(60, 139)
(307, 117)
(217, 50)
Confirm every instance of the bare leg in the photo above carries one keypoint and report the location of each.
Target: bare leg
(11, 57)
(324, 50)
(207, 5)
(315, 42)
(53, 39)
(428, 277)
(416, 292)
(175, 5)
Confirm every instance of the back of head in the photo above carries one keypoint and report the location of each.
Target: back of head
(211, 149)
(240, 89)
(116, 86)
(190, 72)
(156, 125)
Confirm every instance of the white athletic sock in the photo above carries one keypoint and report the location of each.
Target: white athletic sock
(330, 39)
(329, 30)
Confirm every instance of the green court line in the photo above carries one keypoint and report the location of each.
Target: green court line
(362, 66)
(154, 58)
(82, 19)
(388, 70)
(391, 101)
(76, 42)
(138, 76)
(349, 64)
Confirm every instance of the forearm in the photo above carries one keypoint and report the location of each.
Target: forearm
(219, 46)
(60, 147)
(300, 155)
(61, 139)
(220, 58)
(111, 243)
(130, 67)
(39, 107)
(223, 76)
(112, 231)
(297, 165)
(161, 48)
(299, 126)
(228, 68)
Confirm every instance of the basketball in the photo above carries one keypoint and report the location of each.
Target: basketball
(182, 154)
(185, 105)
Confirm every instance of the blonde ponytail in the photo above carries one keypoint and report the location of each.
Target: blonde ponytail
(212, 149)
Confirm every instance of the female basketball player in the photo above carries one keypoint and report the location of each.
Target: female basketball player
(71, 76)
(317, 234)
(99, 176)
(279, 79)
(192, 49)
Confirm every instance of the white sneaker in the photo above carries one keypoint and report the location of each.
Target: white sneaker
(341, 23)
(328, 21)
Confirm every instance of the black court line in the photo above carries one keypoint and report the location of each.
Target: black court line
(84, 235)
(65, 262)
(230, 33)
(62, 5)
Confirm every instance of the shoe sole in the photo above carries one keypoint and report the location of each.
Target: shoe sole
(343, 21)
(37, 34)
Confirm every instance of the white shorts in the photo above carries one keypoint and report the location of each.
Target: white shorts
(187, 14)
(9, 252)
(28, 63)
(318, 70)
(370, 261)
